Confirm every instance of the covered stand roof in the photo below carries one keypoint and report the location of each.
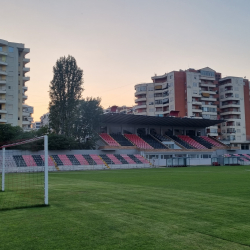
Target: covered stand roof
(158, 121)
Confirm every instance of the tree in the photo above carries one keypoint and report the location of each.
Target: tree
(9, 133)
(65, 92)
(88, 121)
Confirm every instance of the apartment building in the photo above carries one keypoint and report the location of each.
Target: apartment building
(195, 93)
(44, 120)
(13, 80)
(119, 109)
(235, 108)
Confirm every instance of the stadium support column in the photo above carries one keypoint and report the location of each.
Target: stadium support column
(107, 129)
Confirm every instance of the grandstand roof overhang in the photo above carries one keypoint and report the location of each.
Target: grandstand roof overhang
(113, 118)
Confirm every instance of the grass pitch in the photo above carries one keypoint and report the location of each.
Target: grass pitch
(174, 208)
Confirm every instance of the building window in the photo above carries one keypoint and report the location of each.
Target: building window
(236, 95)
(237, 123)
(238, 131)
(195, 84)
(11, 49)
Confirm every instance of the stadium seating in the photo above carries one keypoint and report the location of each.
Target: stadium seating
(81, 160)
(97, 159)
(181, 142)
(109, 140)
(128, 159)
(121, 159)
(29, 161)
(202, 141)
(215, 143)
(123, 141)
(114, 159)
(136, 140)
(73, 160)
(19, 161)
(153, 142)
(191, 142)
(38, 159)
(57, 160)
(106, 159)
(135, 159)
(50, 161)
(246, 156)
(65, 160)
(160, 137)
(142, 159)
(89, 160)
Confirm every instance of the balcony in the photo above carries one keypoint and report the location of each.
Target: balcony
(3, 72)
(143, 92)
(159, 112)
(26, 60)
(2, 100)
(228, 91)
(232, 105)
(25, 97)
(196, 110)
(207, 85)
(3, 62)
(25, 88)
(197, 102)
(25, 69)
(141, 106)
(209, 92)
(26, 51)
(3, 53)
(26, 122)
(230, 113)
(158, 104)
(2, 81)
(25, 114)
(208, 99)
(3, 120)
(2, 90)
(212, 134)
(3, 111)
(26, 78)
(140, 99)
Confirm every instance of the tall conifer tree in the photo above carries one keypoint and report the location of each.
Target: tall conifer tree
(65, 92)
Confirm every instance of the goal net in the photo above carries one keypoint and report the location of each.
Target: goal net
(24, 174)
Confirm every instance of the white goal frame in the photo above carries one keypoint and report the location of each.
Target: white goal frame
(46, 174)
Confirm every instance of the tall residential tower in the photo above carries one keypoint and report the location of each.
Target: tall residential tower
(13, 109)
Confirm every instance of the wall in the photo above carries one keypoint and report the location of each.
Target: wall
(180, 92)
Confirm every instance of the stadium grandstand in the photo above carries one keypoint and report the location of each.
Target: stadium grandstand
(129, 141)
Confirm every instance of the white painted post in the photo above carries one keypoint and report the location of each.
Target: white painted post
(46, 175)
(3, 170)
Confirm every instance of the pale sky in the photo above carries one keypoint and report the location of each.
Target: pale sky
(120, 43)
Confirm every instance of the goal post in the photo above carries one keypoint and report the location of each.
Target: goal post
(24, 174)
